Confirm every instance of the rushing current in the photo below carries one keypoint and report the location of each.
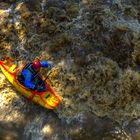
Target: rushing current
(94, 46)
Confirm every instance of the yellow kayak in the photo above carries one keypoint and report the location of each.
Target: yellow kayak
(48, 99)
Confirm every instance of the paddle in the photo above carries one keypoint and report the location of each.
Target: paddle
(36, 92)
(46, 76)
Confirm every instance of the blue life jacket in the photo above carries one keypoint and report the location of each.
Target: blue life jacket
(29, 73)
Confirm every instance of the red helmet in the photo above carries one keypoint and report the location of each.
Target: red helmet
(36, 64)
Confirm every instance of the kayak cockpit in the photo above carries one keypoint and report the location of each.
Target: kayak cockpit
(37, 80)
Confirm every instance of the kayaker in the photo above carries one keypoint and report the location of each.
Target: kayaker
(31, 70)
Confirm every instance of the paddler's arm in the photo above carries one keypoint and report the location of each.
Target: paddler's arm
(27, 81)
(45, 64)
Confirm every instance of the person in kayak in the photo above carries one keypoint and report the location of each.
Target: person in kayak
(31, 70)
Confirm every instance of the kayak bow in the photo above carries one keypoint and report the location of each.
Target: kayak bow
(48, 99)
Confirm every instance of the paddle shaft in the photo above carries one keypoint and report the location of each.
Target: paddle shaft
(45, 78)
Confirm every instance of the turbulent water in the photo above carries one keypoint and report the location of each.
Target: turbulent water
(94, 47)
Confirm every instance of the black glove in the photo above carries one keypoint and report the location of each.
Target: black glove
(36, 87)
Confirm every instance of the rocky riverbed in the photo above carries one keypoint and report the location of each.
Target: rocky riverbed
(95, 49)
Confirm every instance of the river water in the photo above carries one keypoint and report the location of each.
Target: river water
(89, 110)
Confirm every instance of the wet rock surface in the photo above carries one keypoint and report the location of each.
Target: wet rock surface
(94, 46)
